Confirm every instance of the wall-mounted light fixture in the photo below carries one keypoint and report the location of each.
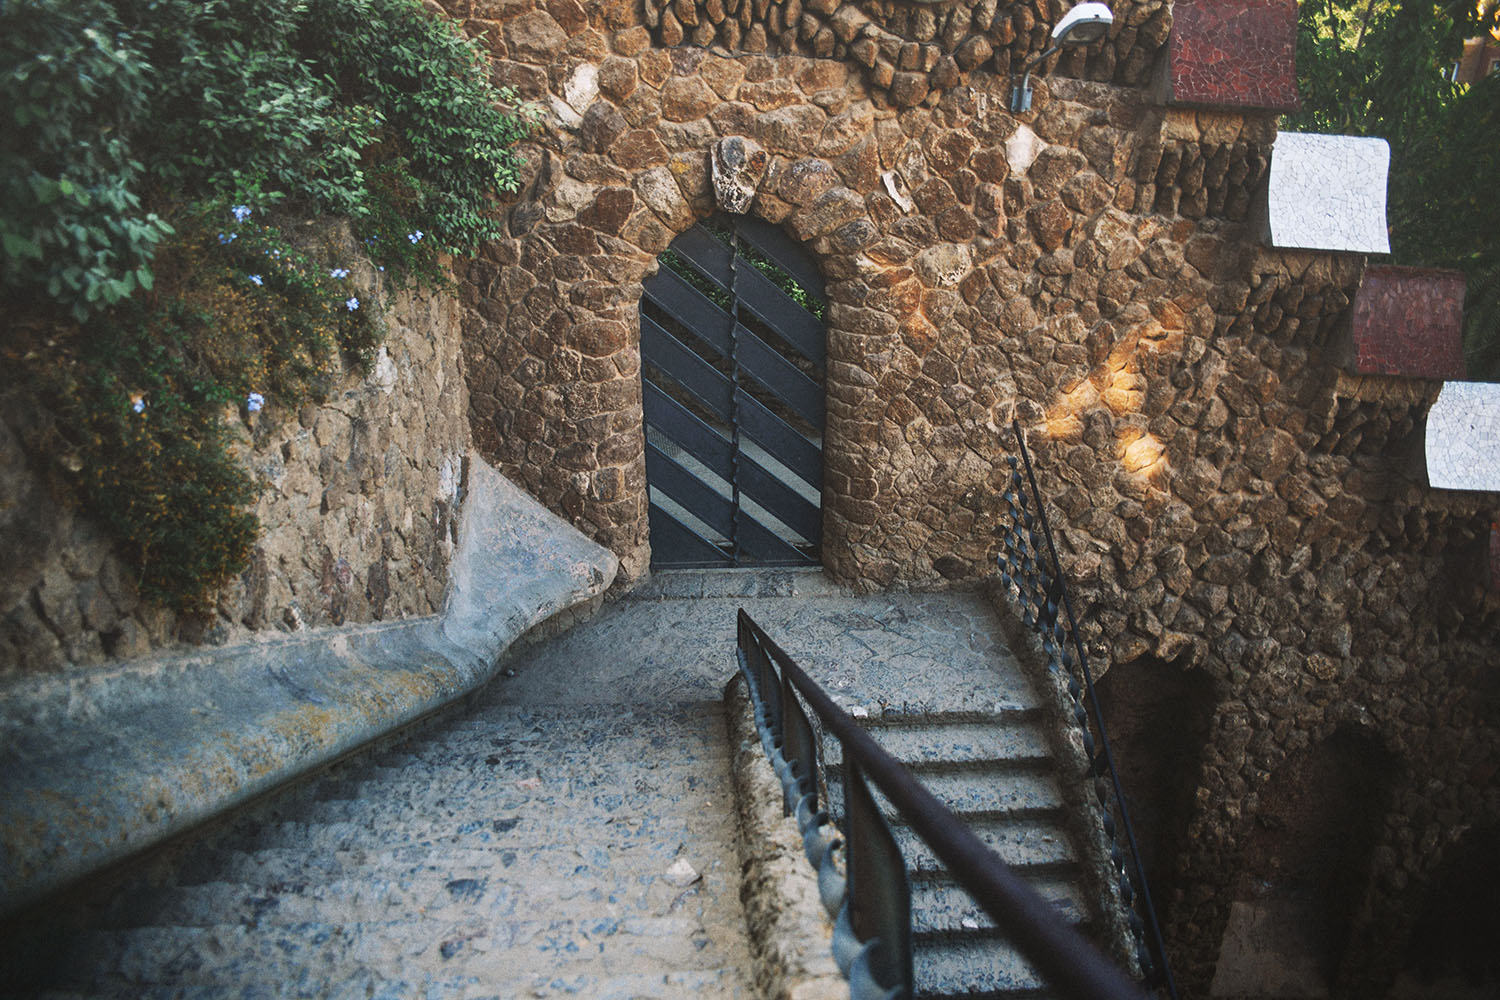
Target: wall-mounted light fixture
(1083, 24)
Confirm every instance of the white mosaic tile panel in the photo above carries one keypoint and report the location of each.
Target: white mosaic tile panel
(1463, 437)
(1327, 192)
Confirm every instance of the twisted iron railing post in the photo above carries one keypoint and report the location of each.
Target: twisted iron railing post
(1035, 576)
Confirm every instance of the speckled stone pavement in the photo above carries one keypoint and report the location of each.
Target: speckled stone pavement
(568, 831)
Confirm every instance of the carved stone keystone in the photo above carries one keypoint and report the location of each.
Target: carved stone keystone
(738, 166)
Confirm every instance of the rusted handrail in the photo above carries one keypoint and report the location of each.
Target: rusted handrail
(1069, 963)
(1044, 592)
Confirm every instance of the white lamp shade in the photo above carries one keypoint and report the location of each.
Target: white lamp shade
(1083, 24)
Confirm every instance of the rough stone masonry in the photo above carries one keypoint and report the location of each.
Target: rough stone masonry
(1229, 501)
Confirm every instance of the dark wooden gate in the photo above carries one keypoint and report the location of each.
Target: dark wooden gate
(732, 373)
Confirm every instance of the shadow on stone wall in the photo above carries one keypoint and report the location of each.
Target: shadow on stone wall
(1158, 717)
(1301, 886)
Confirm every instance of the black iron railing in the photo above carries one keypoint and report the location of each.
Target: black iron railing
(870, 900)
(1034, 574)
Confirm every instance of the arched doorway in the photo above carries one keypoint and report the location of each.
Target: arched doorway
(733, 353)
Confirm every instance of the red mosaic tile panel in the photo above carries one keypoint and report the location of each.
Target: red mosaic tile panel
(1409, 321)
(1234, 54)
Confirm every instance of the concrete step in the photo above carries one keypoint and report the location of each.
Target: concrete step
(1000, 789)
(431, 779)
(637, 861)
(725, 983)
(934, 744)
(1033, 842)
(507, 817)
(495, 952)
(284, 889)
(941, 908)
(716, 984)
(349, 823)
(983, 968)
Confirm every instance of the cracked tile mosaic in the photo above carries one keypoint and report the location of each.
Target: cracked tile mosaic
(1327, 192)
(1463, 437)
(1234, 53)
(1409, 321)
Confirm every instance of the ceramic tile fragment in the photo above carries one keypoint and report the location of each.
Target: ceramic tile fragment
(1409, 321)
(1233, 53)
(1463, 437)
(1327, 192)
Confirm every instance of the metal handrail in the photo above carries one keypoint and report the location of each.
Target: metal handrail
(1069, 962)
(1045, 596)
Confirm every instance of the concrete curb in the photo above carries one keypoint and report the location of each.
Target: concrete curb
(96, 764)
(791, 937)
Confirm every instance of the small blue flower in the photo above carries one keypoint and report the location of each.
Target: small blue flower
(352, 303)
(254, 402)
(339, 272)
(416, 237)
(138, 402)
(240, 212)
(229, 238)
(255, 279)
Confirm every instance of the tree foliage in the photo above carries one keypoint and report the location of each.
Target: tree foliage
(1384, 68)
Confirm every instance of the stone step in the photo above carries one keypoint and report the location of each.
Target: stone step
(1000, 789)
(941, 908)
(628, 881)
(717, 984)
(633, 862)
(1036, 842)
(491, 951)
(579, 730)
(351, 823)
(935, 744)
(982, 968)
(509, 817)
(494, 771)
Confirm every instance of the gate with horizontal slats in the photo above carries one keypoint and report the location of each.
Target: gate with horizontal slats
(732, 372)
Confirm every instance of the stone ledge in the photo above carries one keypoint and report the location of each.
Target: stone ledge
(791, 937)
(98, 764)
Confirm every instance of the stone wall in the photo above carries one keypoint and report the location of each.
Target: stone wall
(357, 509)
(1229, 501)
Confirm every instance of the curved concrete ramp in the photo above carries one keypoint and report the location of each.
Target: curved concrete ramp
(96, 764)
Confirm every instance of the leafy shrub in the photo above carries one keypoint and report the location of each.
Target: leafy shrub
(120, 115)
(140, 435)
(441, 124)
(73, 90)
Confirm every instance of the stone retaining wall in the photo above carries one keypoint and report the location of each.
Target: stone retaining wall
(357, 510)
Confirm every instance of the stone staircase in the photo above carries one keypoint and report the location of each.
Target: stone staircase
(995, 771)
(569, 831)
(515, 852)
